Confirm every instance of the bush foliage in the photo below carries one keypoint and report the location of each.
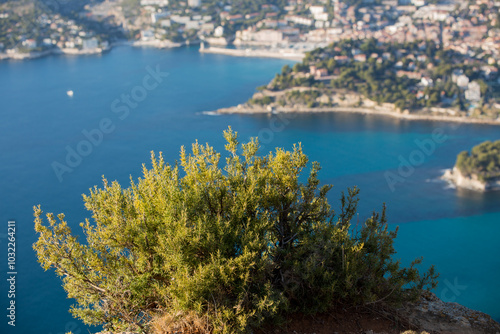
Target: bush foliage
(231, 247)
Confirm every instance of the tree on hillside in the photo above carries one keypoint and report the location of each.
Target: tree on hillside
(232, 246)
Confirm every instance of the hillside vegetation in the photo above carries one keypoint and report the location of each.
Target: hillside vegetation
(414, 77)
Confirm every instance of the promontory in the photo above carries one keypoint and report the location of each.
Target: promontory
(478, 170)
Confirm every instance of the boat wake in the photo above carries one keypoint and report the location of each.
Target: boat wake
(450, 185)
(210, 113)
(447, 183)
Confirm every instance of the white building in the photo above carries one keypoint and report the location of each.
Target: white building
(147, 35)
(90, 44)
(321, 17)
(426, 82)
(335, 31)
(207, 27)
(155, 17)
(321, 24)
(194, 3)
(159, 3)
(299, 20)
(463, 81)
(29, 43)
(433, 12)
(193, 25)
(316, 10)
(219, 31)
(455, 74)
(180, 19)
(262, 36)
(473, 92)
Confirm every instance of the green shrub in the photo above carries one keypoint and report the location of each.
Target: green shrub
(231, 246)
(263, 101)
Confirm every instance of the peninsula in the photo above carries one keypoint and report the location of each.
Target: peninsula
(417, 80)
(478, 170)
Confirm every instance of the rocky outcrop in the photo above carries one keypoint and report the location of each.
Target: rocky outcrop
(433, 315)
(430, 315)
(469, 182)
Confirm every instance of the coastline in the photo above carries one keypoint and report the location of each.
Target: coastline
(471, 183)
(240, 109)
(279, 53)
(97, 51)
(24, 56)
(54, 51)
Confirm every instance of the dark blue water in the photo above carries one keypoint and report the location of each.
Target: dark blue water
(392, 161)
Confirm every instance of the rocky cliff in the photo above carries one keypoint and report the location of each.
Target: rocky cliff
(470, 182)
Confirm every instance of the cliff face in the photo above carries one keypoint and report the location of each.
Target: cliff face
(473, 183)
(433, 315)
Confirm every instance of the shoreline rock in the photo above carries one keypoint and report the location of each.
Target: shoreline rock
(472, 183)
(433, 315)
(242, 109)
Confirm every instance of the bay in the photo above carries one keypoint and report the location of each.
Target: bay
(39, 124)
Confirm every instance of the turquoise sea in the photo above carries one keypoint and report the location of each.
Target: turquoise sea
(120, 112)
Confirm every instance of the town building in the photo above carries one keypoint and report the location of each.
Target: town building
(473, 92)
(194, 3)
(90, 44)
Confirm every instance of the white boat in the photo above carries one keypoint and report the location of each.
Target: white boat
(70, 93)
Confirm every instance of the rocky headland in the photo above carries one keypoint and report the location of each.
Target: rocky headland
(470, 182)
(315, 100)
(478, 169)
